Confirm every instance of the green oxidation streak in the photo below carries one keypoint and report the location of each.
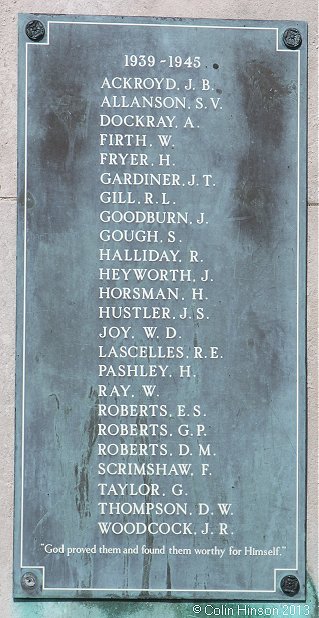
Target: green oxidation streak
(142, 609)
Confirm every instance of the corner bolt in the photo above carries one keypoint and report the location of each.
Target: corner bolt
(35, 30)
(292, 38)
(28, 582)
(290, 585)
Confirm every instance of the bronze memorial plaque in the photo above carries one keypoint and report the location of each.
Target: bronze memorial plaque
(160, 393)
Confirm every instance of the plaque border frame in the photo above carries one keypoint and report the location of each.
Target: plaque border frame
(300, 303)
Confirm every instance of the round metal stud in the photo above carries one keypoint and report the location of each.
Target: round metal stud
(28, 581)
(290, 585)
(292, 38)
(35, 30)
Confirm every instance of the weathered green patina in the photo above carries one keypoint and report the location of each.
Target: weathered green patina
(160, 450)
